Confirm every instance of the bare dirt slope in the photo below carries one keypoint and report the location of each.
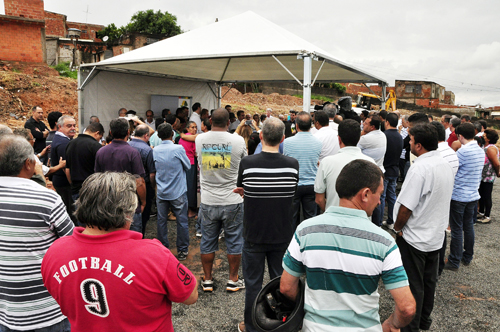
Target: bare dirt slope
(23, 86)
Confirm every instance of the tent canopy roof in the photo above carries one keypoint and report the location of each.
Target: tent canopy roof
(222, 53)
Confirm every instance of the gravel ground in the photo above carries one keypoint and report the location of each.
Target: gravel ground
(467, 300)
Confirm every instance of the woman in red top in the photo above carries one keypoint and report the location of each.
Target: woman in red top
(191, 178)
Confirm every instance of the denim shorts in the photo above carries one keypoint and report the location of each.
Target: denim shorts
(214, 218)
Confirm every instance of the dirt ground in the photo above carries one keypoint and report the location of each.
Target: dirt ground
(467, 300)
(23, 86)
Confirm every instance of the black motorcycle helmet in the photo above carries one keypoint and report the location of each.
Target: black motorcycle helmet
(273, 312)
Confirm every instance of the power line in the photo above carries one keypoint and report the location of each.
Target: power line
(448, 85)
(434, 78)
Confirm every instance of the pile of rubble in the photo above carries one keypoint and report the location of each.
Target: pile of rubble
(259, 102)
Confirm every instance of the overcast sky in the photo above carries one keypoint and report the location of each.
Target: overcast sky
(454, 43)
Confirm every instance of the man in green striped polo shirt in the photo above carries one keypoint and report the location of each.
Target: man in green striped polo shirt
(343, 256)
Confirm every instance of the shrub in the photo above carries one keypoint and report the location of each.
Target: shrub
(65, 71)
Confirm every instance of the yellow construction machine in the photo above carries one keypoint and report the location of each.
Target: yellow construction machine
(366, 100)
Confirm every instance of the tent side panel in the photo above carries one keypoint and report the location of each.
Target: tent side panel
(107, 92)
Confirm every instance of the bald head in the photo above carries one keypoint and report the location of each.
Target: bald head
(141, 130)
(220, 118)
(273, 131)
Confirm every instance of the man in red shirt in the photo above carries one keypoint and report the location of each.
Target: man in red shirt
(104, 277)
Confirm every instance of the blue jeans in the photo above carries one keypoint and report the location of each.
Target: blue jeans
(146, 213)
(254, 259)
(179, 208)
(461, 223)
(389, 194)
(62, 326)
(214, 218)
(137, 223)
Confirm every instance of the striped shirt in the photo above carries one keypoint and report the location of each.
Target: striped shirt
(468, 178)
(269, 181)
(403, 133)
(343, 256)
(306, 149)
(31, 219)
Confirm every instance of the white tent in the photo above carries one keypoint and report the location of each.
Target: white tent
(244, 48)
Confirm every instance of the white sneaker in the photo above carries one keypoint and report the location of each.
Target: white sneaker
(390, 226)
(234, 286)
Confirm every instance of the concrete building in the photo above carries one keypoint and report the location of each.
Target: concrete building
(423, 93)
(449, 98)
(59, 47)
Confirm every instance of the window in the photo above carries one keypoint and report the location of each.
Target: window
(410, 88)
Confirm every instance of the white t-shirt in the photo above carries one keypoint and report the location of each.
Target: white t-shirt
(427, 193)
(45, 169)
(329, 139)
(449, 155)
(234, 125)
(195, 117)
(333, 125)
(151, 124)
(329, 170)
(219, 155)
(374, 144)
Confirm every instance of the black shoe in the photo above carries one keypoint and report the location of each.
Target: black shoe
(464, 263)
(450, 267)
(182, 256)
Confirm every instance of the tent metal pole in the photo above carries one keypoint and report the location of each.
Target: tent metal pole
(319, 70)
(384, 96)
(289, 72)
(381, 98)
(80, 100)
(219, 92)
(232, 86)
(84, 82)
(212, 90)
(306, 96)
(225, 69)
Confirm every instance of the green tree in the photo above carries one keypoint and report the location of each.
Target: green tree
(156, 23)
(111, 31)
(149, 21)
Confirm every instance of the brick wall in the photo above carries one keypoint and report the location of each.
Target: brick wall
(21, 40)
(88, 31)
(32, 9)
(425, 102)
(55, 24)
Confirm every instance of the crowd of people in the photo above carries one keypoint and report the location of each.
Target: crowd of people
(307, 192)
